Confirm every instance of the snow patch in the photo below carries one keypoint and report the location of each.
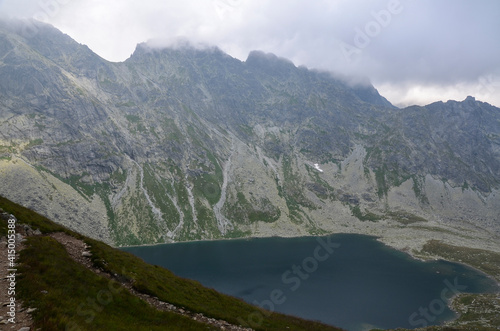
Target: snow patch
(316, 166)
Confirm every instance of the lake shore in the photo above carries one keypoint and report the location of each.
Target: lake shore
(254, 254)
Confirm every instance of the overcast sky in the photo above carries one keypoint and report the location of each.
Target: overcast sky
(413, 51)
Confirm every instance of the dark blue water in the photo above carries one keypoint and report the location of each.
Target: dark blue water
(350, 281)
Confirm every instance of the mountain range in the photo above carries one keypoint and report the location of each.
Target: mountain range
(187, 143)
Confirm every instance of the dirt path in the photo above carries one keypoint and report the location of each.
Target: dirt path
(79, 252)
(22, 319)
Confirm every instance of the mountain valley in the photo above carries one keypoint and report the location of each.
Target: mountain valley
(183, 143)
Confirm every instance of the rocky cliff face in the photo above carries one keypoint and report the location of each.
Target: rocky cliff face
(185, 144)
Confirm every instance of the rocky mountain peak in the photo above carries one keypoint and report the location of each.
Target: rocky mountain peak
(260, 58)
(179, 47)
(184, 143)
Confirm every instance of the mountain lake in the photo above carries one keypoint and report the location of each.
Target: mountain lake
(350, 281)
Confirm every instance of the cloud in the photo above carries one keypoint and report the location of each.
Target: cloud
(410, 50)
(21, 9)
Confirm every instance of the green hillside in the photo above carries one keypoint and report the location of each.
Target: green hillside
(69, 296)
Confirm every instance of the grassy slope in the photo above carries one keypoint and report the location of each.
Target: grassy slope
(476, 310)
(68, 294)
(486, 261)
(73, 291)
(78, 299)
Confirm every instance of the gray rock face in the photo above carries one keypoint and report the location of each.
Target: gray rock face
(184, 144)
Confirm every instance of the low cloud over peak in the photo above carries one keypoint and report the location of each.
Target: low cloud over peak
(412, 51)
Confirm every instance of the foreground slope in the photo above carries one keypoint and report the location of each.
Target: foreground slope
(113, 290)
(108, 289)
(185, 144)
